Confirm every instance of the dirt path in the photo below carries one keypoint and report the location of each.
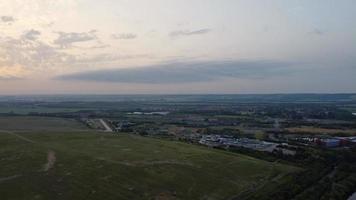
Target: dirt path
(51, 159)
(3, 179)
(19, 136)
(51, 155)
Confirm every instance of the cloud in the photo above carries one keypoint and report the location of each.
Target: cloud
(14, 72)
(104, 58)
(124, 36)
(186, 72)
(33, 54)
(95, 46)
(9, 78)
(28, 53)
(31, 34)
(189, 33)
(317, 31)
(101, 46)
(65, 40)
(7, 19)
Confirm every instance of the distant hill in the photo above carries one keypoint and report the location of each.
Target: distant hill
(243, 98)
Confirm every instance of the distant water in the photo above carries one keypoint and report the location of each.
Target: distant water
(353, 197)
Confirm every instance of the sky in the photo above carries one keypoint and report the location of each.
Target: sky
(177, 46)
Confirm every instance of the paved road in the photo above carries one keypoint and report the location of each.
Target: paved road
(106, 126)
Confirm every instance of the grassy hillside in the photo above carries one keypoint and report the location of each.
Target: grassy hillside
(100, 166)
(30, 123)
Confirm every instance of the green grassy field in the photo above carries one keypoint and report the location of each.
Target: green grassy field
(351, 108)
(29, 123)
(103, 166)
(321, 131)
(23, 110)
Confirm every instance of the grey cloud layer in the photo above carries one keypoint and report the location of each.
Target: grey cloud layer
(7, 19)
(186, 72)
(124, 36)
(31, 34)
(11, 78)
(317, 32)
(189, 33)
(30, 52)
(66, 40)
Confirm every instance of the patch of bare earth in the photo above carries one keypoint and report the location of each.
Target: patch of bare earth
(166, 196)
(51, 159)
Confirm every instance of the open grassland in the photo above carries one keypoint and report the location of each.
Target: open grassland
(24, 110)
(29, 123)
(350, 107)
(103, 166)
(319, 131)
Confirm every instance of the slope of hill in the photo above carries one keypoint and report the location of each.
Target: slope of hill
(103, 166)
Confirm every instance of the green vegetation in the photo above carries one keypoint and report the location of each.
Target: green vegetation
(28, 110)
(319, 131)
(29, 123)
(48, 150)
(326, 175)
(104, 166)
(350, 108)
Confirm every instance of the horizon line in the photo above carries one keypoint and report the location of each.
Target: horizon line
(180, 94)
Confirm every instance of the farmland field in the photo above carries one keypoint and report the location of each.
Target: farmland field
(30, 123)
(26, 109)
(104, 166)
(316, 130)
(350, 107)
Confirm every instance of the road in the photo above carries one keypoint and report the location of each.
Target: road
(106, 126)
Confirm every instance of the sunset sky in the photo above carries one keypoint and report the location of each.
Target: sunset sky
(177, 46)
